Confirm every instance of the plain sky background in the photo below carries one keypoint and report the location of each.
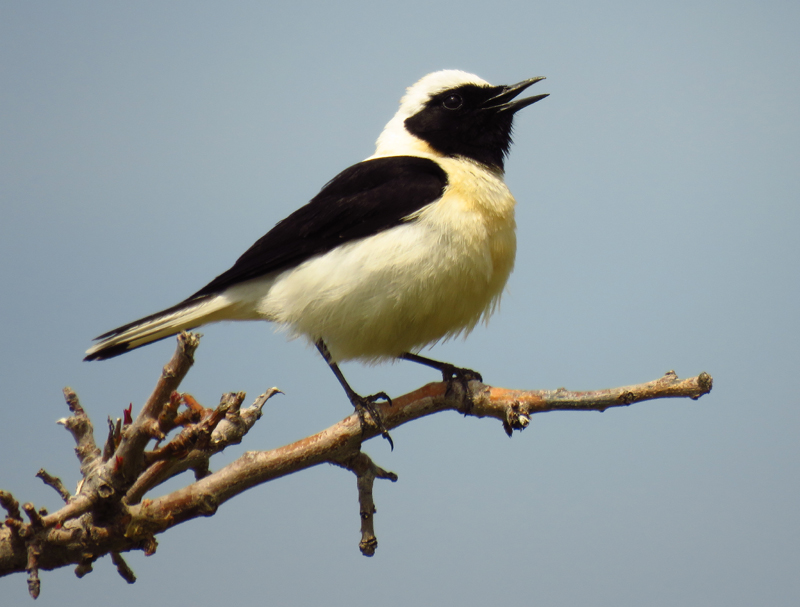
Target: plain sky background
(145, 145)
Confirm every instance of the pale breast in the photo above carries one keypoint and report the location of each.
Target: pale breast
(410, 286)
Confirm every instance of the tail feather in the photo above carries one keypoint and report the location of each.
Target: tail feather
(182, 317)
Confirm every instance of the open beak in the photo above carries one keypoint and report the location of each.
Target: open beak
(503, 102)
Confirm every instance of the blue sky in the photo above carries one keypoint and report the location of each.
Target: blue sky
(144, 147)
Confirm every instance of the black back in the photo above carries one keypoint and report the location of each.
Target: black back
(365, 199)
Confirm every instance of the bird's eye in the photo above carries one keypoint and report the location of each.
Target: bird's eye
(453, 102)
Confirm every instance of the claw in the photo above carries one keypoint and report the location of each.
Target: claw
(362, 403)
(451, 372)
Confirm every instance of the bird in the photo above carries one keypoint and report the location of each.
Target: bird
(409, 247)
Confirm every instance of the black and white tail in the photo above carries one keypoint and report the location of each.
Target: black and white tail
(182, 317)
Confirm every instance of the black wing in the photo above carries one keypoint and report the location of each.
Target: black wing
(365, 199)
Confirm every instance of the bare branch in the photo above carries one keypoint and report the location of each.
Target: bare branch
(37, 522)
(366, 472)
(55, 483)
(122, 567)
(10, 505)
(80, 426)
(108, 515)
(113, 439)
(166, 421)
(130, 452)
(198, 434)
(206, 495)
(78, 505)
(34, 584)
(228, 431)
(505, 404)
(85, 566)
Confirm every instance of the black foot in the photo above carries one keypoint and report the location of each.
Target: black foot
(449, 372)
(460, 374)
(366, 404)
(361, 403)
(457, 375)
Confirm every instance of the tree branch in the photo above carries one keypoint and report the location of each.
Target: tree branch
(80, 426)
(55, 483)
(366, 472)
(110, 515)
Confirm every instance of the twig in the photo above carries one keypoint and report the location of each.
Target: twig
(130, 451)
(37, 522)
(366, 472)
(506, 404)
(10, 505)
(80, 426)
(198, 435)
(85, 566)
(122, 568)
(78, 505)
(34, 584)
(166, 420)
(112, 440)
(229, 431)
(55, 483)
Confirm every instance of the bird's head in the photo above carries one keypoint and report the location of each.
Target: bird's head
(453, 113)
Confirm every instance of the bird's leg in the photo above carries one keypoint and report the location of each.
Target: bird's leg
(449, 372)
(361, 403)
